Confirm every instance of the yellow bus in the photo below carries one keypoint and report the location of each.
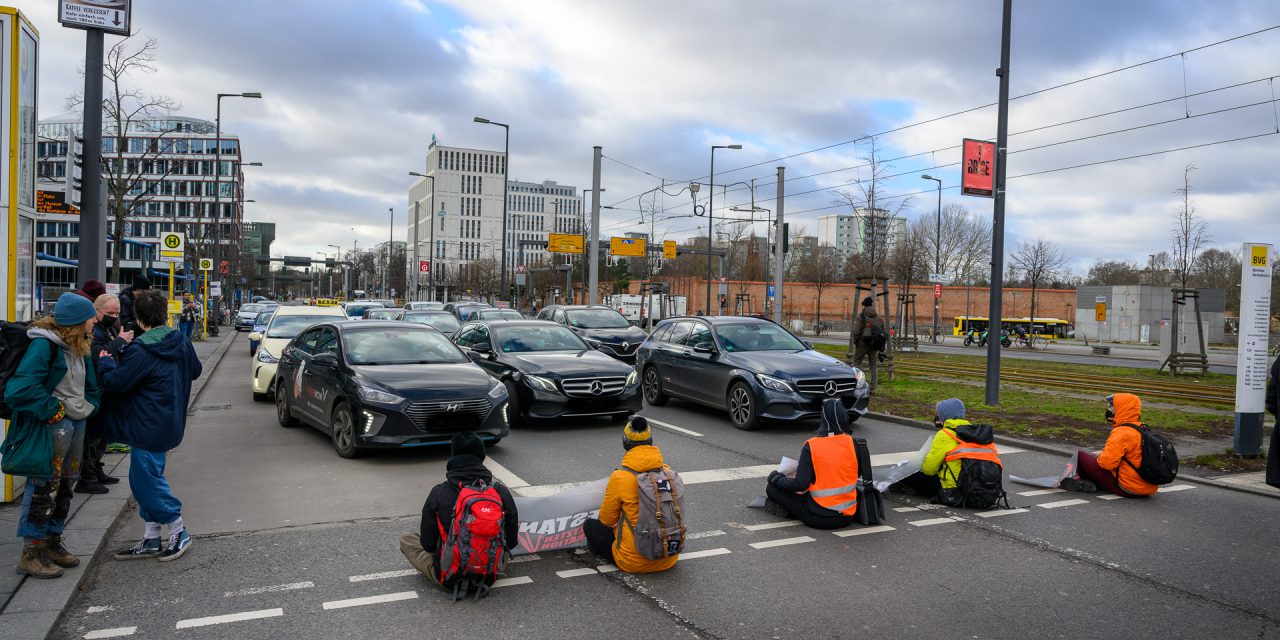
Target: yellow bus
(1048, 328)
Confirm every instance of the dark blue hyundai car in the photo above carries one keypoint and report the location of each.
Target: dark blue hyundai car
(753, 368)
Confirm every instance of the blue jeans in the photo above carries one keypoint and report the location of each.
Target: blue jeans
(156, 502)
(186, 328)
(46, 502)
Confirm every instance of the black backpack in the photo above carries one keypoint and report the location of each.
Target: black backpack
(878, 338)
(13, 345)
(870, 502)
(980, 484)
(1159, 458)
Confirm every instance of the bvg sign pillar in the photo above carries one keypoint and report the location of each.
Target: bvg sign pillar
(1251, 354)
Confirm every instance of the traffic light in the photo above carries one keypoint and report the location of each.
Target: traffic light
(75, 169)
(329, 263)
(608, 260)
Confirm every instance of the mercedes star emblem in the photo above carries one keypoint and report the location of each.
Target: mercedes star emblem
(830, 387)
(596, 388)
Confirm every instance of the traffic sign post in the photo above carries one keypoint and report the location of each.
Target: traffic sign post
(668, 249)
(627, 247)
(937, 291)
(1251, 357)
(565, 243)
(424, 266)
(206, 264)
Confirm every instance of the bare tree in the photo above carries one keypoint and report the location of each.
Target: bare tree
(964, 243)
(866, 203)
(1038, 262)
(822, 269)
(910, 259)
(1190, 234)
(1220, 269)
(1113, 273)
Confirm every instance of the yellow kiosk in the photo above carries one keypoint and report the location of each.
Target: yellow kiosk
(19, 66)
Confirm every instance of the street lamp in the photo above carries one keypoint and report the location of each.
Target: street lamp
(582, 229)
(711, 214)
(937, 251)
(337, 258)
(417, 222)
(217, 171)
(506, 161)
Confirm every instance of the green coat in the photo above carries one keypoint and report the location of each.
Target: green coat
(935, 463)
(30, 392)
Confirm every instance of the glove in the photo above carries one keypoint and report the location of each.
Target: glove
(774, 476)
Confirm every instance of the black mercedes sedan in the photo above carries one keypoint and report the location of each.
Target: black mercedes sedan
(601, 327)
(751, 367)
(383, 384)
(549, 372)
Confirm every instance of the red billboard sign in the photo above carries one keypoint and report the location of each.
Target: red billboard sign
(937, 291)
(424, 266)
(978, 170)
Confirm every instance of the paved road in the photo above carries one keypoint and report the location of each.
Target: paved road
(293, 541)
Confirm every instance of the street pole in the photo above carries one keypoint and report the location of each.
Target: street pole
(937, 252)
(417, 268)
(779, 254)
(506, 167)
(711, 195)
(93, 237)
(997, 225)
(431, 209)
(593, 255)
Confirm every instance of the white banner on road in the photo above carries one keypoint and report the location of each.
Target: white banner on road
(555, 521)
(1255, 315)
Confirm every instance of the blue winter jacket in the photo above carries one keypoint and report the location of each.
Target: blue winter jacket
(150, 386)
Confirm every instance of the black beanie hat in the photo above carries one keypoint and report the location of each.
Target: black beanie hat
(867, 301)
(466, 443)
(141, 282)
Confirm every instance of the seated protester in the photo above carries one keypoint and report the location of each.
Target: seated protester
(1115, 468)
(613, 535)
(465, 469)
(965, 460)
(948, 415)
(824, 492)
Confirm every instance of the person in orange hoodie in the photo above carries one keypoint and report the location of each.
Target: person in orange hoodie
(611, 535)
(1115, 468)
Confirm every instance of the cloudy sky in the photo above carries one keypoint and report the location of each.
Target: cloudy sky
(354, 90)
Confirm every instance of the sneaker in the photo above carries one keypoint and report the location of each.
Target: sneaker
(178, 543)
(1079, 485)
(147, 548)
(116, 447)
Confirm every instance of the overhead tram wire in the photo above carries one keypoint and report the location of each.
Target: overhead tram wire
(992, 104)
(635, 168)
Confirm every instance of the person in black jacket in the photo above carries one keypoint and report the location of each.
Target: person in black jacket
(106, 337)
(794, 498)
(466, 465)
(1273, 407)
(127, 297)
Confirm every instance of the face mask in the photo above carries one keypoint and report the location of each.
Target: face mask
(108, 321)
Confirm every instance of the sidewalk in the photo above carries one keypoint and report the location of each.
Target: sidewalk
(30, 607)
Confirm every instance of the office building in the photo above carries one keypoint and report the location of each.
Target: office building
(861, 232)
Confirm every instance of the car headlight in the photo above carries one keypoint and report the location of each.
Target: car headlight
(632, 377)
(498, 392)
(540, 383)
(777, 384)
(369, 394)
(860, 377)
(265, 356)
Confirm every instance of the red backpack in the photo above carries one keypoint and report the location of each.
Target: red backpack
(474, 552)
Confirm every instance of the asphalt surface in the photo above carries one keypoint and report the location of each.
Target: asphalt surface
(288, 534)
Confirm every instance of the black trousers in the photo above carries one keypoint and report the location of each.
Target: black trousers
(798, 507)
(599, 538)
(923, 486)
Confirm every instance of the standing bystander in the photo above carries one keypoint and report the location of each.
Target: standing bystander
(869, 332)
(107, 336)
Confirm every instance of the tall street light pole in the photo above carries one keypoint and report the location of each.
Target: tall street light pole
(417, 222)
(937, 251)
(391, 238)
(506, 162)
(995, 310)
(217, 173)
(711, 214)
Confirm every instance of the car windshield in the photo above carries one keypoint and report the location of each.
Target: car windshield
(758, 337)
(263, 318)
(290, 326)
(416, 306)
(597, 319)
(382, 314)
(500, 314)
(525, 338)
(399, 345)
(251, 308)
(442, 321)
(357, 310)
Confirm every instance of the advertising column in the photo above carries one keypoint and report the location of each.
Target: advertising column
(1251, 356)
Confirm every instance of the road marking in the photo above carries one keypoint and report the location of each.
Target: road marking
(271, 589)
(780, 543)
(607, 568)
(704, 534)
(379, 599)
(511, 582)
(574, 573)
(932, 521)
(1063, 503)
(732, 473)
(1003, 450)
(666, 425)
(543, 490)
(863, 531)
(382, 575)
(1109, 497)
(504, 474)
(772, 525)
(118, 632)
(101, 609)
(1176, 487)
(693, 555)
(1041, 492)
(525, 558)
(995, 513)
(230, 617)
(905, 509)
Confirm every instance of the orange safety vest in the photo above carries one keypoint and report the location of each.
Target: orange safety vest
(835, 473)
(973, 451)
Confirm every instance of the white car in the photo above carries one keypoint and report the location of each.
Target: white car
(247, 313)
(423, 305)
(285, 324)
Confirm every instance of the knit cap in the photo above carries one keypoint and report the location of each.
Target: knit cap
(950, 409)
(867, 301)
(467, 443)
(93, 288)
(72, 309)
(636, 433)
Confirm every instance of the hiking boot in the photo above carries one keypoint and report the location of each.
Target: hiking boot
(146, 548)
(34, 563)
(1079, 485)
(103, 477)
(57, 553)
(178, 543)
(90, 485)
(774, 509)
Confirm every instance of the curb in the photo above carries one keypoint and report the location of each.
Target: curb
(1055, 450)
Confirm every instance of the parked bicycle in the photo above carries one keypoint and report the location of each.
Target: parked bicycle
(1037, 343)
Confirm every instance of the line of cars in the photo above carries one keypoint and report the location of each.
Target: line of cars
(398, 382)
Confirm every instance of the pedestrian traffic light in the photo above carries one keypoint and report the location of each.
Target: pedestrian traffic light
(75, 169)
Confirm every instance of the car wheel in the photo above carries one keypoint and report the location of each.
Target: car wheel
(344, 432)
(742, 407)
(283, 416)
(653, 387)
(514, 417)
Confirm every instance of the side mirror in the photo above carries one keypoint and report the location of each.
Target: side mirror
(808, 344)
(255, 336)
(704, 347)
(482, 347)
(326, 359)
(475, 355)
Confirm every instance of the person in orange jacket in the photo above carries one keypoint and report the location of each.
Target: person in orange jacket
(1115, 468)
(611, 535)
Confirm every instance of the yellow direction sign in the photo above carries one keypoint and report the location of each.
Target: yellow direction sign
(206, 264)
(1100, 312)
(628, 247)
(668, 249)
(565, 243)
(173, 246)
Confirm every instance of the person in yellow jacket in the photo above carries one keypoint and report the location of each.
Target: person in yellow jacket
(1115, 467)
(937, 473)
(611, 537)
